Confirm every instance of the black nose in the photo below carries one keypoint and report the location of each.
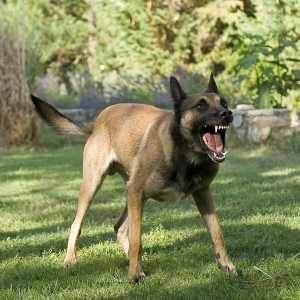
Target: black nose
(225, 113)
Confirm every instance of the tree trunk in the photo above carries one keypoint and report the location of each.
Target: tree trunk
(18, 123)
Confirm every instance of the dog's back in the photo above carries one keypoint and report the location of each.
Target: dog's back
(127, 126)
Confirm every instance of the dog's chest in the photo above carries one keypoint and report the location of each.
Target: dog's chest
(189, 177)
(182, 182)
(169, 193)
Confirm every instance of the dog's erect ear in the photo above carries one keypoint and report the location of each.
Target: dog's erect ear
(212, 86)
(176, 91)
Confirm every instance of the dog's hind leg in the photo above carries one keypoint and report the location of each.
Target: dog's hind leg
(121, 229)
(97, 158)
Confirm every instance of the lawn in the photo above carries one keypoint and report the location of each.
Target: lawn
(257, 196)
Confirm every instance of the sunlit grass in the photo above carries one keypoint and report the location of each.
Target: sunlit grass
(257, 196)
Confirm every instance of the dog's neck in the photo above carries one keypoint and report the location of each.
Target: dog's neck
(182, 148)
(188, 164)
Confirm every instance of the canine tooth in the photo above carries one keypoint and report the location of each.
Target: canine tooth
(216, 129)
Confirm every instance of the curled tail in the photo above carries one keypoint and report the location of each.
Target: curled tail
(57, 120)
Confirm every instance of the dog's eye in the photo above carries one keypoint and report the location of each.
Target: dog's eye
(224, 103)
(202, 104)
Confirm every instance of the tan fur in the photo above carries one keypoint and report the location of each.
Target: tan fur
(135, 140)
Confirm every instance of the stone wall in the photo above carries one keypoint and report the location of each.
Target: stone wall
(80, 115)
(258, 125)
(249, 124)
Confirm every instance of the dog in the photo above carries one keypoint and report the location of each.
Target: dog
(160, 154)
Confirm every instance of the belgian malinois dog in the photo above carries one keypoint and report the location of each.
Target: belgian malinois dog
(159, 153)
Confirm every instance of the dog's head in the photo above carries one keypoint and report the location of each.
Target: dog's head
(202, 119)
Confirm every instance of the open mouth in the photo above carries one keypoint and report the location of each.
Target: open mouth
(213, 137)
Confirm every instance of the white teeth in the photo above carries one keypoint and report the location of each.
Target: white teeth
(218, 127)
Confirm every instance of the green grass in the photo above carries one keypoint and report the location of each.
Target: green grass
(257, 196)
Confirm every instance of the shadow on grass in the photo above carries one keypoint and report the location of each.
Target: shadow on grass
(55, 245)
(109, 270)
(255, 241)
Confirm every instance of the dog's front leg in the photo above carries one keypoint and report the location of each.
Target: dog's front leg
(205, 206)
(135, 210)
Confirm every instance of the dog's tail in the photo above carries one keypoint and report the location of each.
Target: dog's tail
(57, 120)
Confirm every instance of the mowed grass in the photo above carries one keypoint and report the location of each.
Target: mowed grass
(257, 193)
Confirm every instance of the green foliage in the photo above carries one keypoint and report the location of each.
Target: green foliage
(252, 45)
(13, 16)
(267, 48)
(55, 35)
(58, 36)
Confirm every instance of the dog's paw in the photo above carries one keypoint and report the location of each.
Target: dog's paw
(70, 261)
(136, 277)
(226, 265)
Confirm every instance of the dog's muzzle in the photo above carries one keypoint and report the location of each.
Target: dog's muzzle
(213, 136)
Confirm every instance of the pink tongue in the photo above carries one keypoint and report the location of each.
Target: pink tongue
(214, 142)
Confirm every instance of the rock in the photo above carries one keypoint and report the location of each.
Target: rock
(257, 125)
(270, 121)
(80, 115)
(237, 120)
(244, 107)
(258, 135)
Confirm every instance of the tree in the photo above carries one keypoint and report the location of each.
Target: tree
(253, 46)
(17, 119)
(267, 53)
(59, 34)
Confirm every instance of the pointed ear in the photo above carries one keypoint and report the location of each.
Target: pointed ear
(212, 86)
(176, 91)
